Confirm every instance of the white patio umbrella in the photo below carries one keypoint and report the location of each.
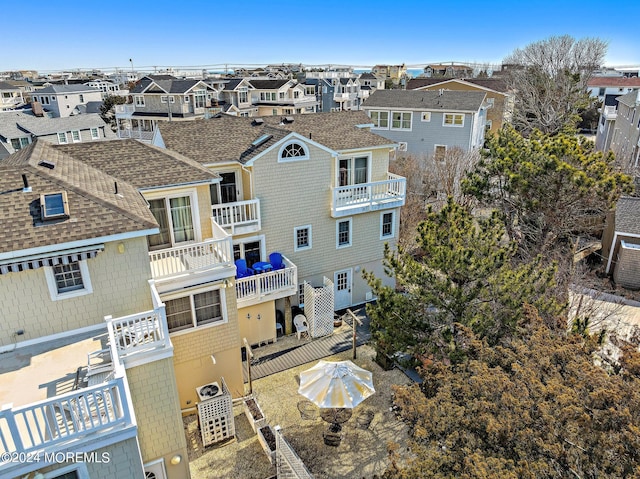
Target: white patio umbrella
(339, 384)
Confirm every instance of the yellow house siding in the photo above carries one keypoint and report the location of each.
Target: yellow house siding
(120, 287)
(254, 329)
(155, 399)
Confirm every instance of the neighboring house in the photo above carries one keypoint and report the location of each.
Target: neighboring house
(10, 96)
(393, 73)
(95, 373)
(281, 97)
(621, 243)
(429, 122)
(625, 139)
(67, 100)
(601, 86)
(499, 102)
(450, 70)
(236, 98)
(162, 97)
(124, 77)
(606, 123)
(273, 197)
(107, 88)
(18, 129)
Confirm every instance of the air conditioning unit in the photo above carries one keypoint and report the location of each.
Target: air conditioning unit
(209, 391)
(402, 146)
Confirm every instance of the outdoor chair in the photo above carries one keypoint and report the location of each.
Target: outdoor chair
(275, 259)
(332, 438)
(242, 269)
(300, 322)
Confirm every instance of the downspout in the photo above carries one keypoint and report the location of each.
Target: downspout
(613, 247)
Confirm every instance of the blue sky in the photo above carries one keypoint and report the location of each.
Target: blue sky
(58, 35)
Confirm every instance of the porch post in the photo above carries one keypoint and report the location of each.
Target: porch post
(288, 319)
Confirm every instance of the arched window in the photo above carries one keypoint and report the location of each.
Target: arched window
(293, 151)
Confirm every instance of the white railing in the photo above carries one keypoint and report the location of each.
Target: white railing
(610, 112)
(126, 108)
(146, 331)
(289, 463)
(369, 196)
(238, 217)
(65, 418)
(180, 260)
(135, 134)
(258, 286)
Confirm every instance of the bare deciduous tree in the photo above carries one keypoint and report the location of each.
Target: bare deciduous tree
(549, 78)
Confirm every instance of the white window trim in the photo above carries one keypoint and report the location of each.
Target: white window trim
(391, 127)
(350, 243)
(352, 159)
(393, 225)
(163, 98)
(172, 99)
(444, 116)
(80, 468)
(195, 212)
(425, 116)
(252, 239)
(192, 292)
(138, 100)
(66, 140)
(186, 99)
(79, 136)
(96, 135)
(295, 238)
(53, 289)
(388, 119)
(295, 158)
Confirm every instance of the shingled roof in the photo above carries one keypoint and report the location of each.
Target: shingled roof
(492, 83)
(229, 138)
(455, 100)
(627, 219)
(96, 209)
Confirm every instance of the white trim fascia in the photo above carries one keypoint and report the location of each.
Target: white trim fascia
(287, 138)
(54, 248)
(367, 148)
(613, 246)
(181, 185)
(222, 164)
(140, 358)
(53, 337)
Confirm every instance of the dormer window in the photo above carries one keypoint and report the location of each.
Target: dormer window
(54, 205)
(293, 151)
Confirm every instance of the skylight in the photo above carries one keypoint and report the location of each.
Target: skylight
(54, 205)
(263, 139)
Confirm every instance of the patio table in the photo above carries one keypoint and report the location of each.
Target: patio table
(336, 417)
(262, 267)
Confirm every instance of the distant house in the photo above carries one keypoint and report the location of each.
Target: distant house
(621, 243)
(19, 129)
(621, 124)
(394, 73)
(282, 97)
(10, 96)
(601, 86)
(67, 100)
(499, 101)
(606, 122)
(107, 88)
(236, 99)
(429, 122)
(450, 70)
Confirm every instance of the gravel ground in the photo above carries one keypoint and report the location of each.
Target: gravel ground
(362, 453)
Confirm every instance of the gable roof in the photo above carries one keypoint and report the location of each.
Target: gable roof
(166, 83)
(96, 211)
(59, 89)
(40, 126)
(456, 100)
(469, 85)
(492, 83)
(8, 86)
(631, 99)
(267, 84)
(228, 138)
(141, 165)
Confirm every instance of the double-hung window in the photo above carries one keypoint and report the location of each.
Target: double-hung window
(139, 100)
(62, 138)
(343, 233)
(401, 120)
(195, 310)
(380, 119)
(75, 136)
(95, 134)
(387, 225)
(453, 119)
(68, 280)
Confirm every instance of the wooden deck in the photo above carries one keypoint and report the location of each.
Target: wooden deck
(308, 351)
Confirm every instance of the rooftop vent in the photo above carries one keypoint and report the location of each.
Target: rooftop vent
(257, 121)
(26, 188)
(47, 164)
(288, 119)
(261, 140)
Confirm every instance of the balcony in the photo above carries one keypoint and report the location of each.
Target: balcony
(136, 134)
(610, 112)
(340, 97)
(267, 286)
(366, 197)
(193, 258)
(238, 218)
(125, 111)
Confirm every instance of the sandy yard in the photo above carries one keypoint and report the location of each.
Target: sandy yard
(361, 454)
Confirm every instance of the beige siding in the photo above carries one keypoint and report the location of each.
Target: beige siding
(193, 351)
(120, 287)
(155, 398)
(258, 330)
(299, 193)
(627, 269)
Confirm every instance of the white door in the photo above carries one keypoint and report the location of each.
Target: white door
(342, 285)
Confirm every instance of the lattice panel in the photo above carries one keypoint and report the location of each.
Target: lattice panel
(216, 418)
(318, 308)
